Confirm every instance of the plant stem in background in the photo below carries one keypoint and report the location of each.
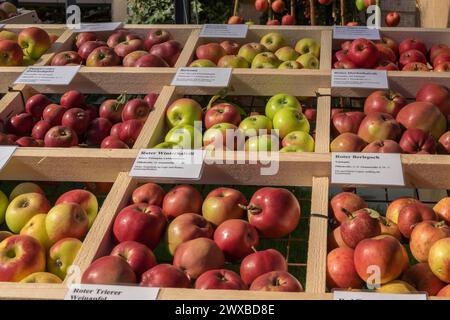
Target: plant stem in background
(236, 7)
(293, 5)
(313, 12)
(333, 14)
(270, 15)
(342, 12)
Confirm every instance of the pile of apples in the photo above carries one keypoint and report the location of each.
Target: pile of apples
(386, 54)
(365, 239)
(272, 52)
(122, 48)
(115, 124)
(42, 241)
(25, 48)
(390, 125)
(201, 235)
(7, 10)
(226, 131)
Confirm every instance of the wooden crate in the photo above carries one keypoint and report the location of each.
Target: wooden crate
(24, 16)
(99, 242)
(292, 34)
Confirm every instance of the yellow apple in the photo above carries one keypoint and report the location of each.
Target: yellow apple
(308, 45)
(35, 228)
(309, 61)
(25, 187)
(41, 277)
(61, 256)
(3, 206)
(396, 287)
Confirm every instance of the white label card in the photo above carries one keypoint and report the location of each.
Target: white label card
(359, 78)
(6, 153)
(202, 77)
(101, 292)
(235, 31)
(367, 169)
(60, 75)
(361, 295)
(94, 27)
(352, 33)
(169, 163)
(2, 25)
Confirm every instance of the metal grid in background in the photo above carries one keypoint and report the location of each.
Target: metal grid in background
(294, 247)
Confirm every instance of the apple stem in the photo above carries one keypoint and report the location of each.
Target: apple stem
(250, 208)
(123, 98)
(440, 224)
(254, 249)
(312, 8)
(347, 213)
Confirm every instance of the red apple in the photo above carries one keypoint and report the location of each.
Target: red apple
(425, 116)
(87, 47)
(236, 238)
(140, 222)
(386, 65)
(363, 53)
(150, 193)
(36, 104)
(412, 56)
(120, 36)
(424, 235)
(165, 276)
(222, 113)
(109, 270)
(130, 59)
(11, 53)
(168, 51)
(344, 64)
(443, 67)
(113, 143)
(383, 146)
(341, 272)
(155, 37)
(115, 130)
(342, 55)
(235, 20)
(346, 122)
(310, 114)
(335, 240)
(360, 225)
(76, 119)
(138, 256)
(416, 67)
(442, 58)
(220, 279)
(135, 109)
(29, 142)
(411, 215)
(20, 124)
(436, 50)
(83, 37)
(384, 101)
(347, 142)
(412, 44)
(261, 5)
(423, 279)
(66, 57)
(98, 130)
(437, 95)
(261, 262)
(182, 199)
(274, 212)
(197, 256)
(278, 6)
(124, 48)
(273, 22)
(390, 43)
(276, 281)
(444, 144)
(60, 137)
(111, 109)
(417, 141)
(346, 45)
(210, 51)
(53, 113)
(345, 202)
(288, 20)
(386, 53)
(150, 61)
(130, 130)
(151, 99)
(230, 47)
(40, 129)
(392, 19)
(103, 57)
(92, 111)
(384, 252)
(379, 126)
(444, 292)
(395, 206)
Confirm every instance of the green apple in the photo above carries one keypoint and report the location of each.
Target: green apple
(41, 277)
(167, 145)
(183, 111)
(280, 101)
(292, 149)
(3, 206)
(61, 256)
(23, 208)
(250, 126)
(308, 45)
(221, 136)
(360, 5)
(186, 136)
(273, 41)
(265, 60)
(8, 35)
(266, 142)
(288, 120)
(231, 61)
(309, 61)
(250, 50)
(28, 61)
(202, 63)
(36, 228)
(299, 139)
(286, 54)
(290, 65)
(25, 187)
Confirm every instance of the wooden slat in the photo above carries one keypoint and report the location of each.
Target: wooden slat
(317, 242)
(326, 52)
(323, 121)
(26, 16)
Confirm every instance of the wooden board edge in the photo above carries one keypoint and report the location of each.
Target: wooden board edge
(323, 121)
